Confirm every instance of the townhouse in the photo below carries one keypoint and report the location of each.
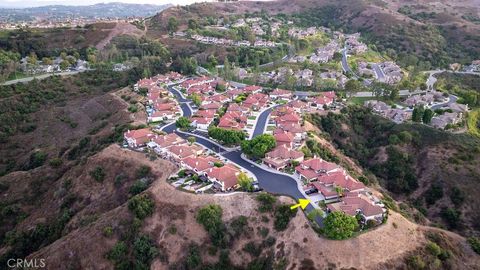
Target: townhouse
(311, 169)
(282, 156)
(224, 178)
(355, 203)
(139, 137)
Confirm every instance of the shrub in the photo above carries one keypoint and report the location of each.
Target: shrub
(118, 253)
(267, 202)
(143, 171)
(37, 159)
(238, 224)
(98, 174)
(141, 206)
(415, 262)
(475, 244)
(451, 217)
(144, 250)
(138, 187)
(108, 231)
(210, 217)
(434, 249)
(283, 215)
(434, 193)
(194, 258)
(55, 162)
(338, 225)
(457, 196)
(252, 248)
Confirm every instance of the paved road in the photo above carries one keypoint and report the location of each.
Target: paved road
(379, 72)
(261, 122)
(400, 93)
(271, 182)
(41, 77)
(451, 99)
(345, 66)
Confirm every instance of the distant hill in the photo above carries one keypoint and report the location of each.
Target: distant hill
(102, 10)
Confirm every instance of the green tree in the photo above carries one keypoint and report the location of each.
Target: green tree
(417, 114)
(427, 116)
(172, 25)
(338, 225)
(141, 205)
(245, 182)
(183, 122)
(352, 87)
(192, 24)
(196, 99)
(226, 136)
(98, 174)
(191, 139)
(259, 146)
(210, 217)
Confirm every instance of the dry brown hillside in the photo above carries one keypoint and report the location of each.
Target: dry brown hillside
(388, 246)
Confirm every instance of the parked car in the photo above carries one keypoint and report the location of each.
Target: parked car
(311, 191)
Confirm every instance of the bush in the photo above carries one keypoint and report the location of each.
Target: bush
(415, 262)
(434, 249)
(37, 159)
(283, 215)
(238, 225)
(252, 248)
(475, 244)
(108, 231)
(55, 162)
(144, 251)
(141, 206)
(210, 217)
(98, 174)
(118, 254)
(451, 217)
(267, 202)
(143, 171)
(226, 136)
(457, 196)
(338, 225)
(434, 193)
(194, 258)
(138, 187)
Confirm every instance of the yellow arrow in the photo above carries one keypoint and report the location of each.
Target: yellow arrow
(302, 203)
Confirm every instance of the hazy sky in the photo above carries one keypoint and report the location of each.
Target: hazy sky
(34, 3)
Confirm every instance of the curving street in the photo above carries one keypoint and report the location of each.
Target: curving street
(276, 183)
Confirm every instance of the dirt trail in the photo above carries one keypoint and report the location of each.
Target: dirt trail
(121, 28)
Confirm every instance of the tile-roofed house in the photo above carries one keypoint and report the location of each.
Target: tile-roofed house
(139, 137)
(212, 106)
(201, 123)
(144, 83)
(281, 94)
(281, 156)
(328, 193)
(255, 101)
(161, 142)
(281, 110)
(234, 93)
(294, 128)
(291, 118)
(233, 120)
(457, 107)
(252, 89)
(441, 121)
(297, 105)
(224, 177)
(179, 152)
(208, 113)
(311, 169)
(284, 138)
(353, 205)
(319, 101)
(197, 164)
(219, 98)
